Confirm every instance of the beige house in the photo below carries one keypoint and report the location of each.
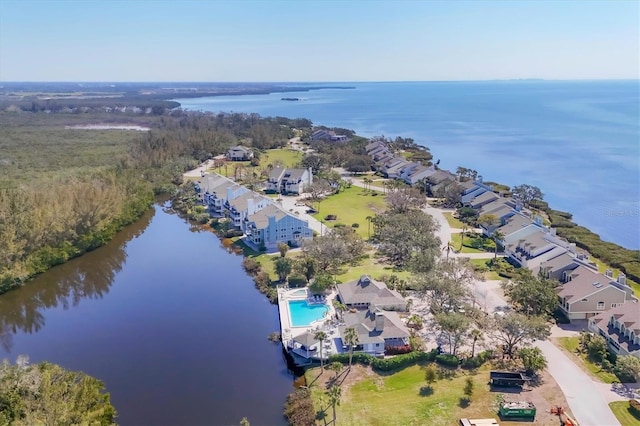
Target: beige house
(620, 327)
(587, 293)
(376, 330)
(366, 292)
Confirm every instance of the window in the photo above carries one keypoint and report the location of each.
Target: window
(600, 306)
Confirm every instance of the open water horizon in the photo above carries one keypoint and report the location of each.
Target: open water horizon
(578, 141)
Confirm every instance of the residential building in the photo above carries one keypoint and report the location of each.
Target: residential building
(271, 225)
(585, 293)
(247, 204)
(288, 181)
(557, 267)
(366, 293)
(328, 135)
(415, 172)
(239, 153)
(620, 326)
(376, 329)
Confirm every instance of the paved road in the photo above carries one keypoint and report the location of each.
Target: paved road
(583, 395)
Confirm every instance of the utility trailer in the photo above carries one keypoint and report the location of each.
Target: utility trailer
(507, 378)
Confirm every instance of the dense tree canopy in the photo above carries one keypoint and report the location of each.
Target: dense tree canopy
(532, 295)
(50, 395)
(407, 238)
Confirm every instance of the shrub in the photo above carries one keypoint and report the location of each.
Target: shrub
(386, 364)
(397, 350)
(477, 360)
(251, 266)
(330, 217)
(355, 225)
(233, 233)
(339, 225)
(447, 360)
(297, 281)
(634, 407)
(298, 408)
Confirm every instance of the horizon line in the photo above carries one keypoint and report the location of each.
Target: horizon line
(532, 79)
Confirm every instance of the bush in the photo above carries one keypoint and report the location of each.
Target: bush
(233, 233)
(298, 408)
(355, 225)
(634, 407)
(297, 281)
(477, 360)
(386, 364)
(397, 350)
(251, 266)
(447, 360)
(339, 225)
(330, 217)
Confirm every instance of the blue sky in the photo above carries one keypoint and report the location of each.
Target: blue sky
(116, 40)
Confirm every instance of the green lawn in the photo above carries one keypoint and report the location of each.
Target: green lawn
(453, 222)
(623, 413)
(352, 205)
(488, 275)
(570, 344)
(395, 398)
(371, 267)
(456, 240)
(287, 157)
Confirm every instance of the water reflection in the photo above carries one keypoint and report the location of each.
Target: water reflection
(87, 277)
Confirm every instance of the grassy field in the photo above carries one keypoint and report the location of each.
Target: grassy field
(286, 157)
(372, 267)
(623, 413)
(398, 398)
(453, 222)
(352, 205)
(570, 344)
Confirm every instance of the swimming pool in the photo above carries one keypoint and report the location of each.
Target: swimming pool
(303, 314)
(300, 293)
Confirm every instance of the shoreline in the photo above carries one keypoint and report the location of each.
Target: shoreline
(609, 216)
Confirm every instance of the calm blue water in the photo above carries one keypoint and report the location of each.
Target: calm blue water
(578, 141)
(303, 314)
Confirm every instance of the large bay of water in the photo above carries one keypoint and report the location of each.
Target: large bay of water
(166, 317)
(578, 141)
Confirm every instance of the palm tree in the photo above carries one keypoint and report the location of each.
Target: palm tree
(496, 236)
(367, 182)
(336, 367)
(464, 229)
(415, 321)
(369, 218)
(320, 336)
(340, 307)
(476, 335)
(334, 393)
(448, 248)
(351, 339)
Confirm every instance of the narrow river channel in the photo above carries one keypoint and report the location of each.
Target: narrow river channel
(166, 317)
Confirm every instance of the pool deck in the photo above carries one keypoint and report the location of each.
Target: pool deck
(289, 332)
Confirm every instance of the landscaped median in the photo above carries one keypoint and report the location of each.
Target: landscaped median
(625, 414)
